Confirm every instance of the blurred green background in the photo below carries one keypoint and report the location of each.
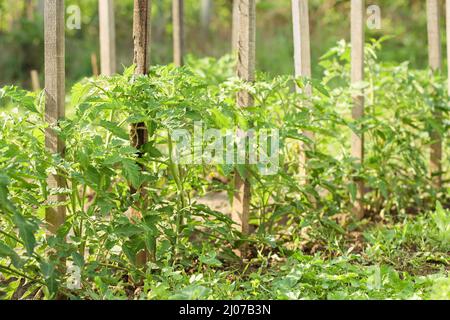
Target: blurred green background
(21, 34)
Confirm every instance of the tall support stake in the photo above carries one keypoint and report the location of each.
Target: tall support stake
(138, 131)
(107, 37)
(302, 59)
(55, 96)
(357, 75)
(35, 83)
(141, 35)
(235, 26)
(205, 14)
(178, 31)
(94, 64)
(447, 18)
(141, 32)
(435, 62)
(302, 45)
(29, 8)
(245, 71)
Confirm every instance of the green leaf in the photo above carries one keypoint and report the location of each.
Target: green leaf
(114, 129)
(220, 119)
(151, 150)
(20, 97)
(192, 292)
(5, 203)
(352, 188)
(210, 260)
(6, 251)
(49, 273)
(242, 170)
(26, 231)
(131, 171)
(127, 230)
(78, 259)
(319, 87)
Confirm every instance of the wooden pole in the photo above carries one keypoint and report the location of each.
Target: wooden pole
(447, 15)
(29, 9)
(55, 96)
(357, 76)
(35, 84)
(245, 71)
(205, 14)
(435, 62)
(138, 131)
(178, 31)
(107, 37)
(235, 26)
(94, 64)
(141, 35)
(302, 46)
(302, 59)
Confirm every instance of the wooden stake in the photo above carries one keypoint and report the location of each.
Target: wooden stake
(35, 83)
(245, 71)
(205, 14)
(435, 61)
(55, 96)
(107, 37)
(447, 11)
(357, 75)
(235, 26)
(138, 131)
(302, 46)
(94, 64)
(141, 35)
(178, 31)
(29, 9)
(434, 37)
(302, 59)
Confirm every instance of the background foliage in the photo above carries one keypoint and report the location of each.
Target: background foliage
(21, 37)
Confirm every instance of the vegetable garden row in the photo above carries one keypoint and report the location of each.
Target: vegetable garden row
(101, 188)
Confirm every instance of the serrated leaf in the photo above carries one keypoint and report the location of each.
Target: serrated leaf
(6, 251)
(78, 259)
(26, 231)
(20, 97)
(49, 273)
(5, 203)
(131, 171)
(114, 129)
(151, 150)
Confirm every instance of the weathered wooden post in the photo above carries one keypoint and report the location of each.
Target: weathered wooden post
(435, 62)
(357, 76)
(302, 59)
(302, 46)
(205, 14)
(141, 35)
(138, 131)
(35, 83)
(235, 26)
(178, 31)
(94, 64)
(29, 8)
(245, 71)
(55, 96)
(447, 15)
(107, 37)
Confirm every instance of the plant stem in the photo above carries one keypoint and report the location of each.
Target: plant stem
(18, 273)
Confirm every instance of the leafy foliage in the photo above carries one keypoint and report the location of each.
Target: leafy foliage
(303, 245)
